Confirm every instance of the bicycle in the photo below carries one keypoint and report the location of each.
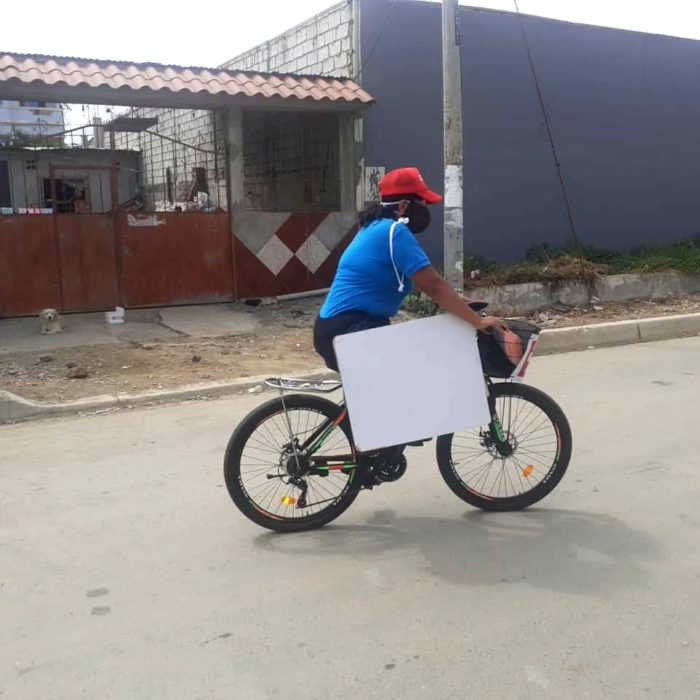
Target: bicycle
(291, 464)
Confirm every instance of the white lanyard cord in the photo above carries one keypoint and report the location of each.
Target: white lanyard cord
(399, 278)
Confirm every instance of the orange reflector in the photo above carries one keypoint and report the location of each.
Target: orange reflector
(528, 470)
(289, 500)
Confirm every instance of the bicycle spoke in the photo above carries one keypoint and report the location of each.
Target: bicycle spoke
(482, 480)
(537, 454)
(267, 451)
(531, 436)
(268, 447)
(267, 429)
(523, 465)
(532, 426)
(477, 469)
(543, 426)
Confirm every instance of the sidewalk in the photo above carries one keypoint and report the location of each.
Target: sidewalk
(140, 326)
(154, 349)
(145, 361)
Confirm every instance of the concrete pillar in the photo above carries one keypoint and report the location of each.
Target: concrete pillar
(234, 155)
(98, 132)
(360, 194)
(349, 161)
(235, 192)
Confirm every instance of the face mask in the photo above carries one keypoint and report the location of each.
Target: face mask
(418, 217)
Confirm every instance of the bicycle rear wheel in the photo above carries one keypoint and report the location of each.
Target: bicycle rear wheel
(535, 452)
(260, 461)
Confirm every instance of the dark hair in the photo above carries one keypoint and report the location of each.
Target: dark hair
(377, 210)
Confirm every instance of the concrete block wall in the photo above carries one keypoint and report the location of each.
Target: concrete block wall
(196, 128)
(321, 46)
(290, 159)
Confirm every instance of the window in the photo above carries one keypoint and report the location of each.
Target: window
(70, 194)
(291, 161)
(31, 103)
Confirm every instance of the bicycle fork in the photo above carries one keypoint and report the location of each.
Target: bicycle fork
(496, 435)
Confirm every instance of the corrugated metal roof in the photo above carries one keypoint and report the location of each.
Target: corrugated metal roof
(83, 72)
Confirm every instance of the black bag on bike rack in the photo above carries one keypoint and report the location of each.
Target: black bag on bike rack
(506, 355)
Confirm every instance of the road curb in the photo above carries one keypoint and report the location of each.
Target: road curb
(14, 408)
(556, 340)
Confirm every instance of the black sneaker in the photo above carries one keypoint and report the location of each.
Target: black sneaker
(419, 443)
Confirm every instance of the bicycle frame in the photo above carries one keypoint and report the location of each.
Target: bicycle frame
(321, 434)
(348, 461)
(317, 439)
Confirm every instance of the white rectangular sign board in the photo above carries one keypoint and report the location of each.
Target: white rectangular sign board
(412, 381)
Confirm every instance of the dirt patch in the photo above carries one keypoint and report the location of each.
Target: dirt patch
(282, 345)
(562, 317)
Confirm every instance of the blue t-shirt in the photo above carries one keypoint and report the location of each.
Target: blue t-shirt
(366, 280)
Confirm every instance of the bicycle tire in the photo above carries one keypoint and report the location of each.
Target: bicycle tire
(449, 468)
(237, 445)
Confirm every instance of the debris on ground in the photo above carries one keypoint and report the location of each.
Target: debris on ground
(77, 373)
(281, 346)
(560, 316)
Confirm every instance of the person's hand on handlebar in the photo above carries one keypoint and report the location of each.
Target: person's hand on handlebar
(489, 322)
(429, 282)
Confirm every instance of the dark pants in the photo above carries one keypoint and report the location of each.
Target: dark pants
(326, 329)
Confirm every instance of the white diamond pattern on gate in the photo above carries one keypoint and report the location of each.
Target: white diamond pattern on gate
(275, 255)
(255, 228)
(258, 232)
(312, 253)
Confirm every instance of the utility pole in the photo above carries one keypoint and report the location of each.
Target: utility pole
(452, 125)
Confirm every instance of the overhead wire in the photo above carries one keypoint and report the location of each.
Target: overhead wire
(392, 5)
(550, 137)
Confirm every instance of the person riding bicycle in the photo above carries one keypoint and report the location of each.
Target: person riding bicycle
(292, 464)
(379, 268)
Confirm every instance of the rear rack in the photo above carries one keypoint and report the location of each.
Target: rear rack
(321, 386)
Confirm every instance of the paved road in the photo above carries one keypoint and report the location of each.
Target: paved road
(126, 573)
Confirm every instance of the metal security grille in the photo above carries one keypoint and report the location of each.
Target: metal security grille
(291, 161)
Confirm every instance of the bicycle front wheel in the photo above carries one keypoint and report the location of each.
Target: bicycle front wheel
(535, 448)
(265, 478)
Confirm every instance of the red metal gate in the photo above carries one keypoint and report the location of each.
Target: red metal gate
(70, 261)
(29, 271)
(176, 258)
(87, 261)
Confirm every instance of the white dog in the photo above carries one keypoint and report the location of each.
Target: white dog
(50, 321)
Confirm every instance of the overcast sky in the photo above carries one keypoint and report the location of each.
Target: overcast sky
(212, 32)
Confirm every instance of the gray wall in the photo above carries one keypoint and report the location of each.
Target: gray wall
(624, 109)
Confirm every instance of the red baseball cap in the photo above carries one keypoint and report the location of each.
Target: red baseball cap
(407, 181)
